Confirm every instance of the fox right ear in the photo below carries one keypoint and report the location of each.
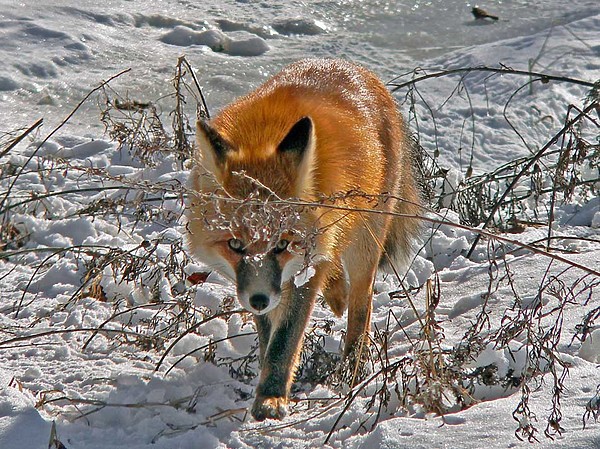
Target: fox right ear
(298, 138)
(212, 148)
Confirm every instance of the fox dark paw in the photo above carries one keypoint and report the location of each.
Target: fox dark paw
(269, 408)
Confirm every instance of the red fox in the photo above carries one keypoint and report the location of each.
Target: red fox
(312, 172)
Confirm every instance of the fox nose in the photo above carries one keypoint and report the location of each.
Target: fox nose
(259, 301)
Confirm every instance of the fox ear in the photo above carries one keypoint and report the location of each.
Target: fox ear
(298, 138)
(298, 146)
(212, 148)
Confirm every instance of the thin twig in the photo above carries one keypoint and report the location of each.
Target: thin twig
(65, 331)
(504, 70)
(184, 61)
(21, 136)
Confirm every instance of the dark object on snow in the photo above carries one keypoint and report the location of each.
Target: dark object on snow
(482, 14)
(55, 443)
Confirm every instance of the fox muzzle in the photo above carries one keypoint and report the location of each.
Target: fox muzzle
(259, 284)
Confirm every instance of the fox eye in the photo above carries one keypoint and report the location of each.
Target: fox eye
(236, 245)
(281, 246)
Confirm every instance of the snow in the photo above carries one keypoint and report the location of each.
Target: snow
(95, 368)
(246, 43)
(590, 348)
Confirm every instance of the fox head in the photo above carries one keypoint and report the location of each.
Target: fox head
(280, 159)
(246, 231)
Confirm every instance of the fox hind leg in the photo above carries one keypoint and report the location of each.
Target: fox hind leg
(359, 309)
(337, 292)
(356, 346)
(362, 264)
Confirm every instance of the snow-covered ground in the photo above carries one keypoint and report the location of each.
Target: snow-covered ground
(104, 392)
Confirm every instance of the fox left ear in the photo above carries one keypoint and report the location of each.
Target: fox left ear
(299, 146)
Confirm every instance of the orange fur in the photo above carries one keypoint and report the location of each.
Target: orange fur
(353, 148)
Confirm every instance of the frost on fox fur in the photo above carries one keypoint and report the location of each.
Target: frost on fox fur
(303, 186)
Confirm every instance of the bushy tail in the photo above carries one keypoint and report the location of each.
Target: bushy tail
(404, 229)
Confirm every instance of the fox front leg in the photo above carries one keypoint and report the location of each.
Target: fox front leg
(284, 330)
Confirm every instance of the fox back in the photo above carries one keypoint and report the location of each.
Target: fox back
(325, 137)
